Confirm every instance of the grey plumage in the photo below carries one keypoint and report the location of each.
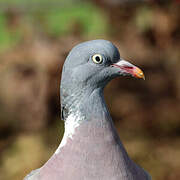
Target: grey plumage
(91, 148)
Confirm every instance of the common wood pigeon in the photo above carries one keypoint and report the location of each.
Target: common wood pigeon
(91, 148)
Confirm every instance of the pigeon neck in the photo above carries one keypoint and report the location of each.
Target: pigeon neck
(85, 105)
(89, 108)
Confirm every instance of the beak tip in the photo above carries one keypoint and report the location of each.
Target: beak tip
(139, 73)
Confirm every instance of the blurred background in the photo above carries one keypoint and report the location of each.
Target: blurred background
(35, 38)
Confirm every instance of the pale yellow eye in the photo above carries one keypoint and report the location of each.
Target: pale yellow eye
(97, 58)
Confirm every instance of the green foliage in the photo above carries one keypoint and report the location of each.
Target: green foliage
(8, 37)
(55, 21)
(86, 17)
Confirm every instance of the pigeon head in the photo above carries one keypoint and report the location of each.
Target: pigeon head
(93, 64)
(90, 66)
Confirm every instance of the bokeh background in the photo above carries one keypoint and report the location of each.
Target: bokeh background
(35, 38)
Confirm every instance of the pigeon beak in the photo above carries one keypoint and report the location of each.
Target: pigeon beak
(129, 69)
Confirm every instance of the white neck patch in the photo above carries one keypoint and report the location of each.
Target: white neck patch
(71, 123)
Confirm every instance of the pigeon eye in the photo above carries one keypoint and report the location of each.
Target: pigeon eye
(97, 58)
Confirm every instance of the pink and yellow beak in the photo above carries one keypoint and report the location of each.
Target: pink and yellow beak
(129, 69)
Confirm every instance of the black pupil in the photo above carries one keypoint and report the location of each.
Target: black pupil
(97, 58)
